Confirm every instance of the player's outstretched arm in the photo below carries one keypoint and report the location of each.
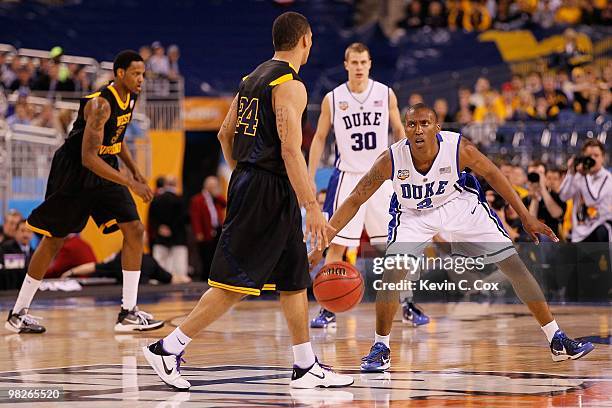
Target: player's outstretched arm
(97, 112)
(470, 156)
(318, 141)
(226, 133)
(395, 118)
(289, 101)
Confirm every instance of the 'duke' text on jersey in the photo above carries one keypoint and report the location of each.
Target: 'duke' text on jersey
(362, 119)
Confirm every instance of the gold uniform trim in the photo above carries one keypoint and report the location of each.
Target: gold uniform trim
(39, 230)
(122, 105)
(113, 149)
(93, 95)
(239, 289)
(108, 224)
(269, 286)
(244, 78)
(282, 79)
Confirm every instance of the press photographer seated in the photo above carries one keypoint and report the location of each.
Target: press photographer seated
(589, 184)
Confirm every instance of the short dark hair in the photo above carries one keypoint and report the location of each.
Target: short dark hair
(593, 143)
(124, 59)
(287, 30)
(419, 106)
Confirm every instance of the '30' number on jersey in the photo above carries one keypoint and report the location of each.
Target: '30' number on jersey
(247, 116)
(364, 141)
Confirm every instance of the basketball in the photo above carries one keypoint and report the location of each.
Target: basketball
(338, 287)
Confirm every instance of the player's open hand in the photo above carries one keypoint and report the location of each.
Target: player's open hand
(142, 190)
(315, 232)
(533, 227)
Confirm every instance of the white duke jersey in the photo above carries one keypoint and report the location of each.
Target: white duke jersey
(439, 185)
(361, 125)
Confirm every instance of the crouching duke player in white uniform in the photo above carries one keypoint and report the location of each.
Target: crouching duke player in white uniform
(433, 195)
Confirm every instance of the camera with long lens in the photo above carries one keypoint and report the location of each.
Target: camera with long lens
(533, 177)
(587, 162)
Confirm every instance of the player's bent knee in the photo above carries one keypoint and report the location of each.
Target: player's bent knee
(133, 230)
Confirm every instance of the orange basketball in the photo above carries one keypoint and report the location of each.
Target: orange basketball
(338, 287)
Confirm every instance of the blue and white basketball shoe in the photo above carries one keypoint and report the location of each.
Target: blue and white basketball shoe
(378, 360)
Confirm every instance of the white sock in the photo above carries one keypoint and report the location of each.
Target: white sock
(550, 329)
(175, 342)
(381, 339)
(130, 289)
(303, 356)
(26, 294)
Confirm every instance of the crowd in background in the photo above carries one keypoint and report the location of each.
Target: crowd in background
(50, 78)
(398, 17)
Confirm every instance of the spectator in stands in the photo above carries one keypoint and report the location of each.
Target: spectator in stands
(510, 100)
(22, 115)
(571, 54)
(173, 57)
(18, 248)
(52, 83)
(542, 201)
(82, 81)
(526, 106)
(158, 62)
(476, 16)
(47, 118)
(492, 111)
(510, 16)
(545, 13)
(145, 53)
(554, 177)
(533, 82)
(585, 94)
(415, 15)
(440, 106)
(543, 111)
(9, 73)
(206, 210)
(481, 88)
(436, 15)
(73, 253)
(518, 82)
(167, 217)
(518, 179)
(590, 188)
(23, 82)
(554, 96)
(465, 110)
(569, 13)
(415, 98)
(455, 14)
(9, 228)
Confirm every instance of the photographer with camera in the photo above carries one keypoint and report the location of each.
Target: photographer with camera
(589, 184)
(542, 201)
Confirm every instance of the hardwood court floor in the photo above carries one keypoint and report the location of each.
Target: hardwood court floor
(474, 355)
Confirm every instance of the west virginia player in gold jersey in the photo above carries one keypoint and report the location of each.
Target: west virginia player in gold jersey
(85, 181)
